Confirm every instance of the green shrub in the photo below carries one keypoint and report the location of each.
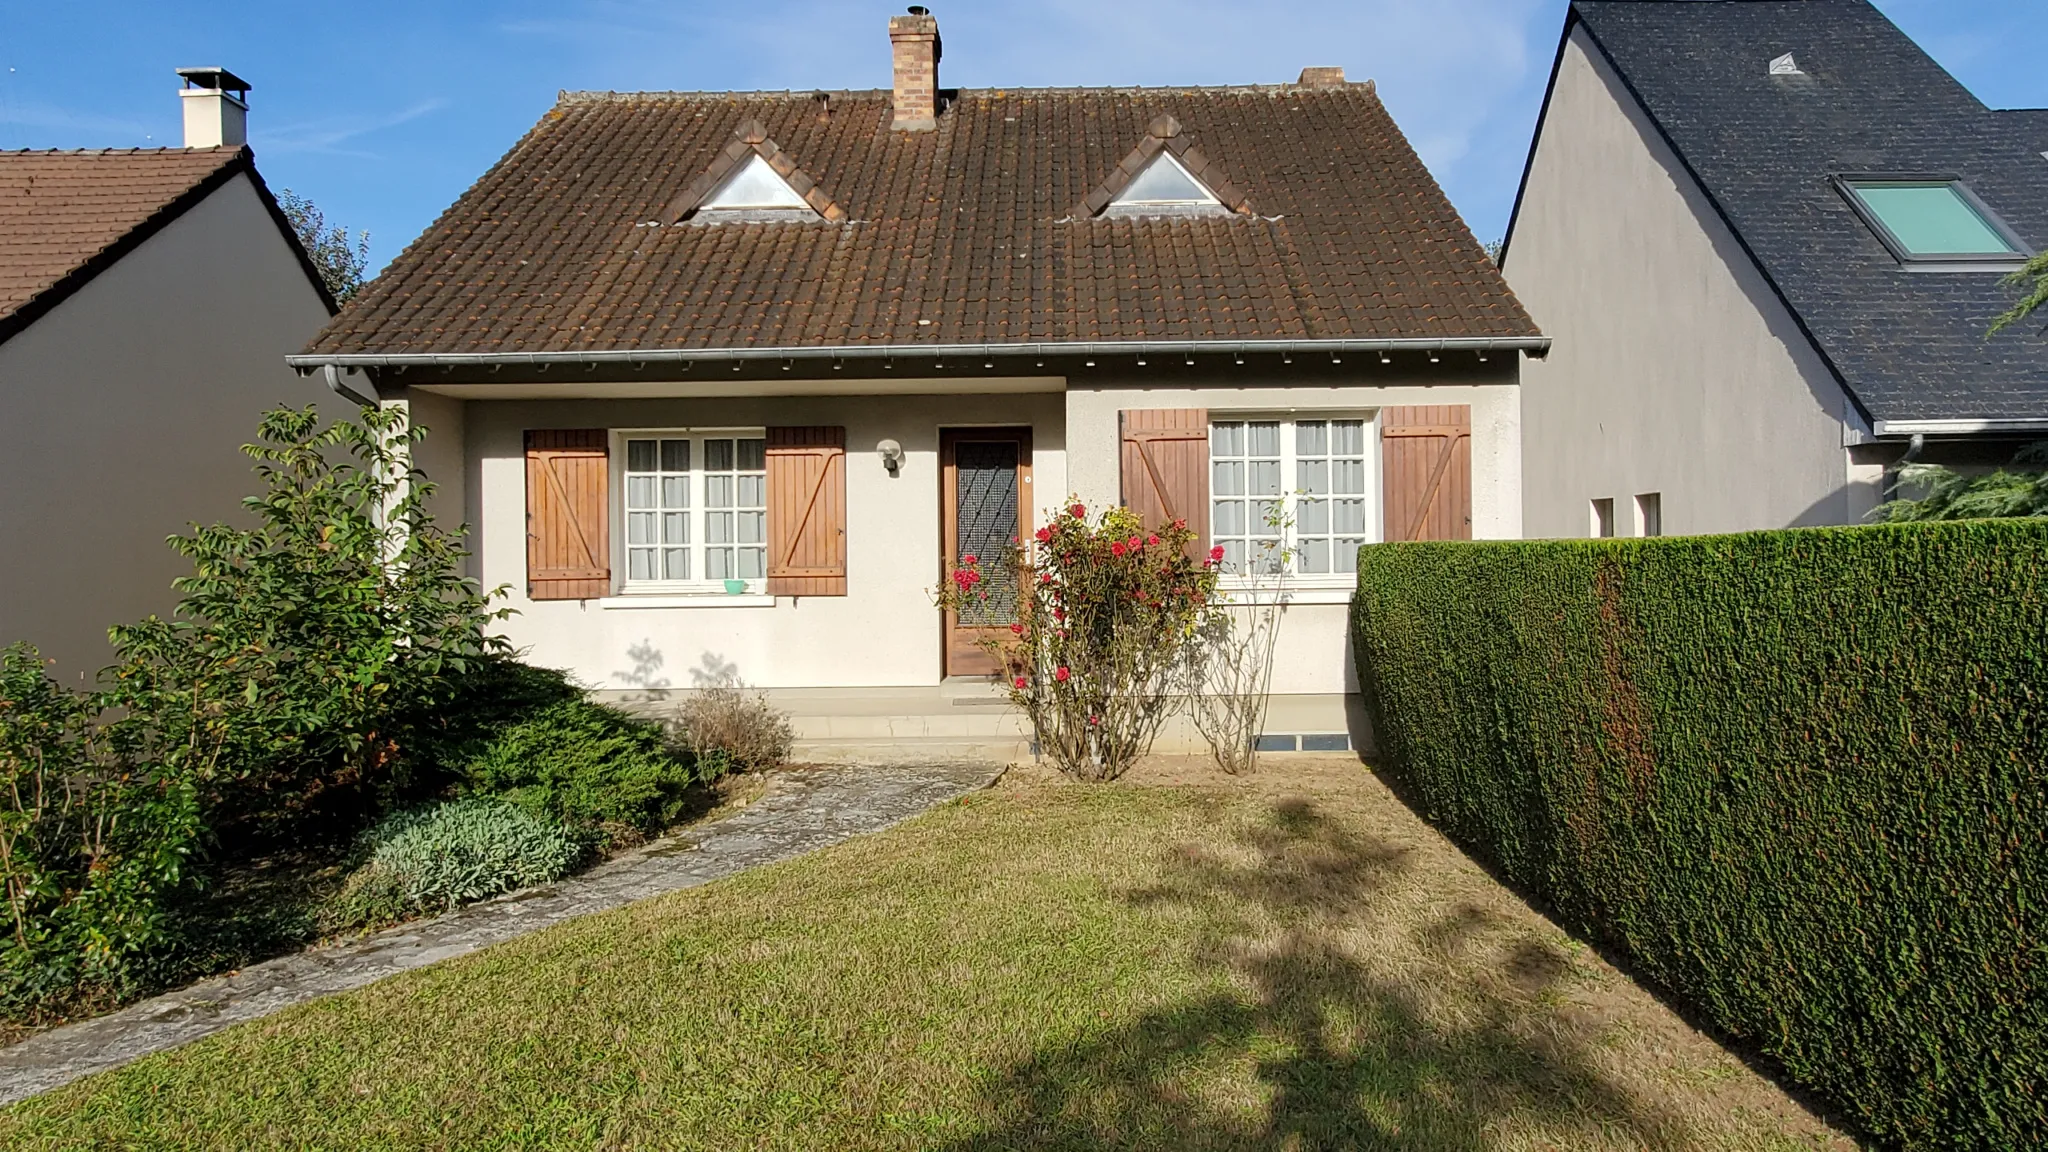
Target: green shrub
(430, 860)
(605, 774)
(94, 844)
(1796, 778)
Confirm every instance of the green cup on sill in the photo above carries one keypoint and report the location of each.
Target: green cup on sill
(735, 587)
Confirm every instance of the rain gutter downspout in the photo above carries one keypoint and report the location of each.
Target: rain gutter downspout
(333, 373)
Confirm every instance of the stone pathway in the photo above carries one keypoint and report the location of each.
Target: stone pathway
(803, 809)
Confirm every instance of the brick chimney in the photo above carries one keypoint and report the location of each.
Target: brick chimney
(1322, 77)
(914, 48)
(216, 108)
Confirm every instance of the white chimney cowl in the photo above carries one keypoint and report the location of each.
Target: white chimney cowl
(216, 108)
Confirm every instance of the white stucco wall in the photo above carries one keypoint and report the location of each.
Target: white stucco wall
(1674, 368)
(121, 411)
(884, 632)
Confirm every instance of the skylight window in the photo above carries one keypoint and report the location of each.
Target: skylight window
(754, 187)
(1164, 186)
(1934, 222)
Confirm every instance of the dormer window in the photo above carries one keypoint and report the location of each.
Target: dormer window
(1164, 187)
(1935, 224)
(753, 186)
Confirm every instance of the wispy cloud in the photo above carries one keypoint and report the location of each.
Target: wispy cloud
(326, 136)
(22, 118)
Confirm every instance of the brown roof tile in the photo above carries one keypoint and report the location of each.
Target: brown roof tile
(63, 212)
(566, 246)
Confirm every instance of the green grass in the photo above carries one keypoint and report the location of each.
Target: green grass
(1303, 966)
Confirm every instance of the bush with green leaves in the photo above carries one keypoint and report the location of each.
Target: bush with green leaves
(429, 860)
(97, 831)
(1795, 778)
(2020, 489)
(608, 776)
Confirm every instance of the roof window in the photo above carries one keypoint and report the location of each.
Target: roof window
(1934, 223)
(751, 179)
(754, 186)
(1163, 186)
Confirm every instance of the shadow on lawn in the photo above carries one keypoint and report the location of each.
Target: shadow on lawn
(1346, 1054)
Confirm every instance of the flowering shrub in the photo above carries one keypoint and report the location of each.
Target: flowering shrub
(1101, 614)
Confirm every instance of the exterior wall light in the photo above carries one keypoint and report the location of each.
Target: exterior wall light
(892, 456)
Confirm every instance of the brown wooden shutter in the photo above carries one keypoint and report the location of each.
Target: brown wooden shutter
(1166, 467)
(1426, 457)
(807, 511)
(568, 514)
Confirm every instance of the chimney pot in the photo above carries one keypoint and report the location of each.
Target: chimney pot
(216, 105)
(1321, 77)
(914, 51)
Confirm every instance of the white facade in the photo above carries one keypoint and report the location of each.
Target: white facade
(121, 413)
(1675, 370)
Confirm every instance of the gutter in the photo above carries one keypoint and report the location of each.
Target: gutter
(340, 387)
(1956, 427)
(1535, 346)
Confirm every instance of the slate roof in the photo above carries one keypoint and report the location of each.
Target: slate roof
(67, 215)
(1908, 345)
(964, 235)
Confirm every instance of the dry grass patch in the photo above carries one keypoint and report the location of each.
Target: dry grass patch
(1289, 962)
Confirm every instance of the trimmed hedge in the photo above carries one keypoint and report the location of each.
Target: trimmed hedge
(1796, 778)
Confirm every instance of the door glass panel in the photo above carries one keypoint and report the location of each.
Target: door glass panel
(987, 523)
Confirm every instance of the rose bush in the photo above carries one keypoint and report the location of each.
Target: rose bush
(1103, 610)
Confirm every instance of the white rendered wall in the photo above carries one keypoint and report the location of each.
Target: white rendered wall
(1674, 367)
(884, 632)
(121, 414)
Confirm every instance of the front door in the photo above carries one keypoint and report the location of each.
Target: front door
(985, 506)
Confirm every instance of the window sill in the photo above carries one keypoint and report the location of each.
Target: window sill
(1293, 594)
(698, 600)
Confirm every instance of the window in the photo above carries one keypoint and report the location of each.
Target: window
(1315, 472)
(695, 509)
(754, 185)
(1650, 514)
(1603, 517)
(1163, 187)
(1937, 221)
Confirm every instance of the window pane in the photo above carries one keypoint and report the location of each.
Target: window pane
(1265, 477)
(753, 455)
(1226, 439)
(675, 528)
(639, 455)
(1229, 479)
(1311, 438)
(1350, 516)
(1346, 555)
(718, 528)
(1163, 181)
(1315, 556)
(1313, 477)
(753, 491)
(675, 455)
(753, 527)
(1265, 513)
(1348, 477)
(717, 491)
(718, 455)
(678, 562)
(1264, 438)
(1933, 220)
(1233, 555)
(1314, 517)
(640, 564)
(1229, 516)
(675, 491)
(718, 563)
(1347, 437)
(640, 491)
(754, 185)
(753, 563)
(640, 528)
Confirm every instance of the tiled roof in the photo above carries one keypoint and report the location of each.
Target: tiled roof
(963, 235)
(1868, 101)
(63, 215)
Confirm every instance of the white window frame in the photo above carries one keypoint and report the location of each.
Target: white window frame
(699, 584)
(1291, 497)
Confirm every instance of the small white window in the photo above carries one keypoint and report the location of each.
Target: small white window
(695, 510)
(1603, 517)
(1163, 186)
(1650, 514)
(1295, 485)
(754, 186)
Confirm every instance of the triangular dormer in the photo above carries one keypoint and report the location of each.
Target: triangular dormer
(1165, 175)
(752, 180)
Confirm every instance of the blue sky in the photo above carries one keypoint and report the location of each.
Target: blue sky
(383, 112)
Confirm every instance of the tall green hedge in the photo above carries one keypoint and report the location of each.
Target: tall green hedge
(1799, 779)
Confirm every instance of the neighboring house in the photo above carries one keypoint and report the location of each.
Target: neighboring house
(723, 380)
(147, 301)
(1768, 237)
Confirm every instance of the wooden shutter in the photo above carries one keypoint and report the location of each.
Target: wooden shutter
(1426, 456)
(807, 511)
(568, 514)
(1166, 467)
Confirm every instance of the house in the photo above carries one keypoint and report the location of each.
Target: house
(147, 300)
(1768, 237)
(724, 379)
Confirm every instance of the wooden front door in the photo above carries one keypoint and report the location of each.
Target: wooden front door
(985, 504)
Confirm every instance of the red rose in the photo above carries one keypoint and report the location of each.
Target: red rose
(1020, 681)
(1045, 535)
(1017, 628)
(1179, 525)
(1152, 540)
(1060, 674)
(1094, 720)
(1117, 549)
(1216, 554)
(970, 558)
(1077, 511)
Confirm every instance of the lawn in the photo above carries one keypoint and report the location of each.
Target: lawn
(1291, 963)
